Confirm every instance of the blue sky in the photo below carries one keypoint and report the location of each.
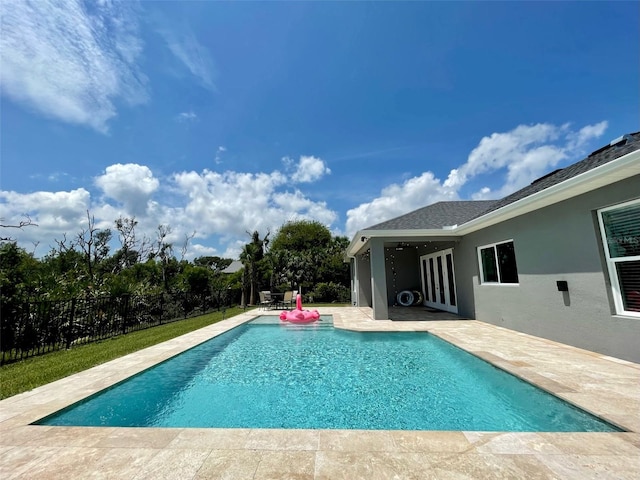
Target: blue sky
(221, 118)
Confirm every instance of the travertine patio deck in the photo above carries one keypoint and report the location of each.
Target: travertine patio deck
(605, 386)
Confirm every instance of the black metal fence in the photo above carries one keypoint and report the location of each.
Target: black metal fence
(37, 327)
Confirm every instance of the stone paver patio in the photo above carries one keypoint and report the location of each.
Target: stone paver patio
(605, 386)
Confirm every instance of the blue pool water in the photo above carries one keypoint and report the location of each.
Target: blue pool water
(266, 375)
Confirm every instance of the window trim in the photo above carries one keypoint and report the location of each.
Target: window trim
(483, 281)
(612, 262)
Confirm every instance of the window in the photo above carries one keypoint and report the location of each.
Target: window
(498, 263)
(620, 229)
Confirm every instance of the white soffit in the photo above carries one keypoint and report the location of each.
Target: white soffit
(363, 236)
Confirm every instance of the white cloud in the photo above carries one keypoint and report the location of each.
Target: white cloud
(307, 170)
(232, 203)
(516, 158)
(526, 152)
(586, 134)
(396, 200)
(193, 55)
(501, 150)
(198, 250)
(189, 116)
(297, 206)
(225, 205)
(55, 213)
(219, 152)
(484, 193)
(234, 249)
(216, 205)
(70, 61)
(130, 184)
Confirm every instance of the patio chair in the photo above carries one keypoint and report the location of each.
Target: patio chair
(265, 300)
(289, 299)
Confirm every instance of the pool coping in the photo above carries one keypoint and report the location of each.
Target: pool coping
(604, 386)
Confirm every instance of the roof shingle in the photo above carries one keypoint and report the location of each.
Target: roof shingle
(442, 214)
(600, 157)
(437, 215)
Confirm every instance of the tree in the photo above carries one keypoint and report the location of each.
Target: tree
(277, 261)
(333, 268)
(64, 271)
(17, 272)
(131, 248)
(248, 258)
(185, 244)
(300, 270)
(27, 222)
(252, 258)
(94, 245)
(301, 235)
(197, 279)
(214, 263)
(306, 245)
(163, 251)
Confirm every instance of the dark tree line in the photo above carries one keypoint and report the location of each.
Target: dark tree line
(302, 255)
(84, 289)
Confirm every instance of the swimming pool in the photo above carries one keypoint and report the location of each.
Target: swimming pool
(270, 375)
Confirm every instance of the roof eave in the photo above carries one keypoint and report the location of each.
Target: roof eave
(619, 169)
(361, 238)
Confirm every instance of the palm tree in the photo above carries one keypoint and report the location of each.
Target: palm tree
(251, 257)
(248, 259)
(277, 261)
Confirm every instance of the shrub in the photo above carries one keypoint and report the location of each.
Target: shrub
(327, 292)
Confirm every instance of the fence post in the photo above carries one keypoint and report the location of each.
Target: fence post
(71, 317)
(125, 313)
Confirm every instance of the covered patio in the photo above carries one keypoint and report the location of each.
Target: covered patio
(420, 313)
(385, 266)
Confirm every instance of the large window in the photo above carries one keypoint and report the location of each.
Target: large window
(620, 229)
(498, 263)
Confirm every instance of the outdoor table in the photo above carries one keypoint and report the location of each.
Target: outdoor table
(277, 300)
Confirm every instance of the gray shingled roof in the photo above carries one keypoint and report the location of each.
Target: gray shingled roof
(436, 216)
(233, 267)
(443, 214)
(601, 156)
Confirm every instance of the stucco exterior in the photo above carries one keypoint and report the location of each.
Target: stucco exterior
(553, 224)
(559, 242)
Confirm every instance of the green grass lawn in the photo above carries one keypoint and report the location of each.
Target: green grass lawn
(28, 374)
(35, 371)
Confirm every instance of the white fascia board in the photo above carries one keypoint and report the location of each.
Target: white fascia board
(413, 232)
(619, 169)
(357, 244)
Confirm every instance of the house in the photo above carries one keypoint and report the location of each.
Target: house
(559, 259)
(234, 266)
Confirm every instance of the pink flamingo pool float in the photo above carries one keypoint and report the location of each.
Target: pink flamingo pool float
(298, 315)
